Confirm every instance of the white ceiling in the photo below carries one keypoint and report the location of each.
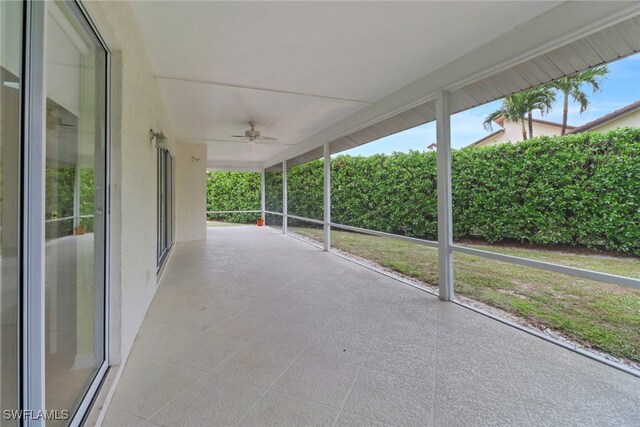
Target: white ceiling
(299, 67)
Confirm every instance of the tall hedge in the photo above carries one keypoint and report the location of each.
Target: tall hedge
(233, 191)
(581, 190)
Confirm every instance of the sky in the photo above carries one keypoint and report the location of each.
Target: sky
(619, 88)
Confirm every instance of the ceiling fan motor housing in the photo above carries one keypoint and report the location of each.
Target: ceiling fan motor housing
(252, 134)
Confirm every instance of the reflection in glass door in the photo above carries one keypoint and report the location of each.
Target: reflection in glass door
(75, 199)
(10, 120)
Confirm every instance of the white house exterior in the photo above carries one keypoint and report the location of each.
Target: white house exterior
(512, 132)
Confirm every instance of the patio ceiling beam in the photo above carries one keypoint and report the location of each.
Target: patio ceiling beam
(263, 89)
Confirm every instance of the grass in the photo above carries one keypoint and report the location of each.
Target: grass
(597, 315)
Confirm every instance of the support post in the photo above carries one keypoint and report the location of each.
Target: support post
(76, 195)
(445, 218)
(327, 196)
(263, 197)
(284, 196)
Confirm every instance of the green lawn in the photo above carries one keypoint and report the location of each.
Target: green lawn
(601, 316)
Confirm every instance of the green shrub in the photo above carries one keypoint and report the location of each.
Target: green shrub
(233, 191)
(581, 189)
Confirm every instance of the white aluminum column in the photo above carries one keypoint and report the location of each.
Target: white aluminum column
(284, 196)
(263, 197)
(327, 196)
(76, 195)
(445, 219)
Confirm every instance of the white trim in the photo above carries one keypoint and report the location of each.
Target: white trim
(302, 218)
(541, 265)
(33, 176)
(423, 242)
(254, 211)
(445, 217)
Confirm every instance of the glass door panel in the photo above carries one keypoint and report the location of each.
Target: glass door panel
(74, 207)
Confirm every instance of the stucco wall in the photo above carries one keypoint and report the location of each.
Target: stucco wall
(632, 119)
(136, 108)
(191, 191)
(513, 132)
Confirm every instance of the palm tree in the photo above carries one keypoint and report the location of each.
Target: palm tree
(540, 98)
(571, 86)
(520, 105)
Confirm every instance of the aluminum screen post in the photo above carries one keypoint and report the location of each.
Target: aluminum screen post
(327, 196)
(445, 218)
(263, 197)
(284, 196)
(76, 194)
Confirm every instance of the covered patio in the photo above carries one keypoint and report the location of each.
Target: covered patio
(253, 327)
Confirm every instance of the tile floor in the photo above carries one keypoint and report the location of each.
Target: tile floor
(255, 328)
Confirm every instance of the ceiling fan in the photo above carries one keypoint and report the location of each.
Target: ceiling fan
(253, 135)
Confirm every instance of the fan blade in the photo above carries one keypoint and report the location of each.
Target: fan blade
(238, 136)
(269, 138)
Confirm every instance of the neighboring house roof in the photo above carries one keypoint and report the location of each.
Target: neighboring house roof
(488, 137)
(608, 117)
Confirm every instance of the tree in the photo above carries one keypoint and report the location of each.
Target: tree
(520, 105)
(571, 86)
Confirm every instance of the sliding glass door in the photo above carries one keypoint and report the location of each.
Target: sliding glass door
(53, 212)
(75, 201)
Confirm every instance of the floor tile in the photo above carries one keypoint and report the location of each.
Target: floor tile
(145, 391)
(341, 345)
(118, 418)
(257, 364)
(271, 308)
(352, 420)
(203, 319)
(392, 398)
(406, 357)
(311, 315)
(213, 401)
(321, 380)
(276, 409)
(288, 334)
(206, 351)
(243, 326)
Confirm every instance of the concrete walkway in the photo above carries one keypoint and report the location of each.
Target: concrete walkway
(256, 328)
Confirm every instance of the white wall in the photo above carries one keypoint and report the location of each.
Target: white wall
(513, 132)
(191, 191)
(136, 108)
(632, 120)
